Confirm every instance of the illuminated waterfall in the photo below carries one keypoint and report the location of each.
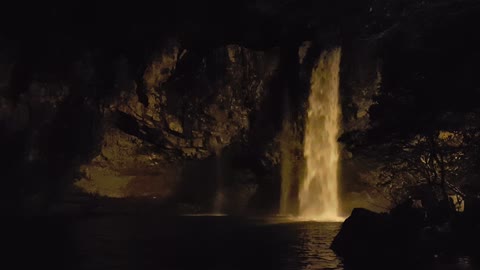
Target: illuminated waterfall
(286, 167)
(318, 195)
(219, 197)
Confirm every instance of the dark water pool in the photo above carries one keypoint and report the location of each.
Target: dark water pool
(202, 242)
(185, 242)
(188, 242)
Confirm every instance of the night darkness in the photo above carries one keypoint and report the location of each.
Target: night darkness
(257, 134)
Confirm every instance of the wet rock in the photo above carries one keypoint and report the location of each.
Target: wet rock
(127, 166)
(369, 238)
(364, 235)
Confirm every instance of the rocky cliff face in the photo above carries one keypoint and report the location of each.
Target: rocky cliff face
(167, 107)
(135, 137)
(190, 108)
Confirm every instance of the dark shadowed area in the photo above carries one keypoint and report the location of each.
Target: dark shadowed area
(224, 134)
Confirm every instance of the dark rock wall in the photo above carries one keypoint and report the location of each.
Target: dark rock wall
(117, 134)
(168, 105)
(196, 104)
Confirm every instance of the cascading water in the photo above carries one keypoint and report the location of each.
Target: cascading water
(318, 195)
(286, 168)
(219, 197)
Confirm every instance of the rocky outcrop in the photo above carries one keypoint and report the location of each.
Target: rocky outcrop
(187, 107)
(364, 233)
(117, 132)
(79, 101)
(402, 236)
(127, 166)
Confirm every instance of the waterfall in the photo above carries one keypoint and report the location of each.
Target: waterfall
(318, 194)
(286, 167)
(219, 197)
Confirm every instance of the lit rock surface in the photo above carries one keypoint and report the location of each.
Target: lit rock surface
(194, 93)
(127, 166)
(143, 153)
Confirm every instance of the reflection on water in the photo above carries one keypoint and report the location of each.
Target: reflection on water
(464, 261)
(458, 263)
(186, 242)
(313, 249)
(204, 242)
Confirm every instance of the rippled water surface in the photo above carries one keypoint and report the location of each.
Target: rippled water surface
(147, 241)
(203, 242)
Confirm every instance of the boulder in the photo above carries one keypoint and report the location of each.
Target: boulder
(368, 238)
(372, 239)
(365, 234)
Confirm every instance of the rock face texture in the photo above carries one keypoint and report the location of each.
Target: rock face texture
(118, 127)
(190, 108)
(363, 232)
(127, 166)
(404, 235)
(204, 101)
